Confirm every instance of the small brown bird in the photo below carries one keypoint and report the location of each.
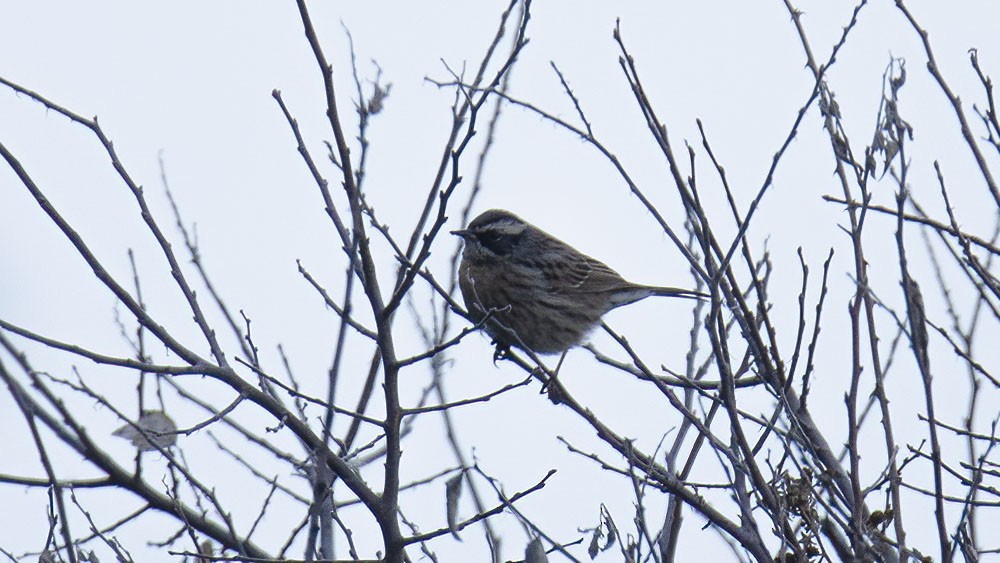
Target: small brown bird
(159, 429)
(541, 294)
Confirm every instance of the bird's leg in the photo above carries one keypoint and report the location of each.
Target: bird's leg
(552, 387)
(559, 364)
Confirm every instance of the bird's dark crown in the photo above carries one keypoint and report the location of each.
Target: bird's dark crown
(498, 219)
(497, 230)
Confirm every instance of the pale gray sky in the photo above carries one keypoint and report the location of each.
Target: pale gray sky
(193, 80)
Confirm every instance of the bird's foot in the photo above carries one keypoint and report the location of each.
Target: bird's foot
(554, 391)
(500, 352)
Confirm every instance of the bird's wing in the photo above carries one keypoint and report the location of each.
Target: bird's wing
(586, 275)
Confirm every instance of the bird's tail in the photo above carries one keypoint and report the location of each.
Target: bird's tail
(636, 292)
(677, 292)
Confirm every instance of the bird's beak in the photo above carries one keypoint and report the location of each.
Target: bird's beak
(462, 233)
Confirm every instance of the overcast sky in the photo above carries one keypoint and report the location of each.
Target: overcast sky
(191, 83)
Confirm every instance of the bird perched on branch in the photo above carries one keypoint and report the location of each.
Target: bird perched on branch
(153, 427)
(535, 292)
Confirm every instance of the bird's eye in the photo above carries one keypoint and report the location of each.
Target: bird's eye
(498, 243)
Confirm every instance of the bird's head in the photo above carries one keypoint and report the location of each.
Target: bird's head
(493, 234)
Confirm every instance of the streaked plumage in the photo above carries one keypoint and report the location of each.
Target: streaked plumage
(545, 295)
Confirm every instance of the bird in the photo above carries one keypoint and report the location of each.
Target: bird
(535, 292)
(154, 428)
